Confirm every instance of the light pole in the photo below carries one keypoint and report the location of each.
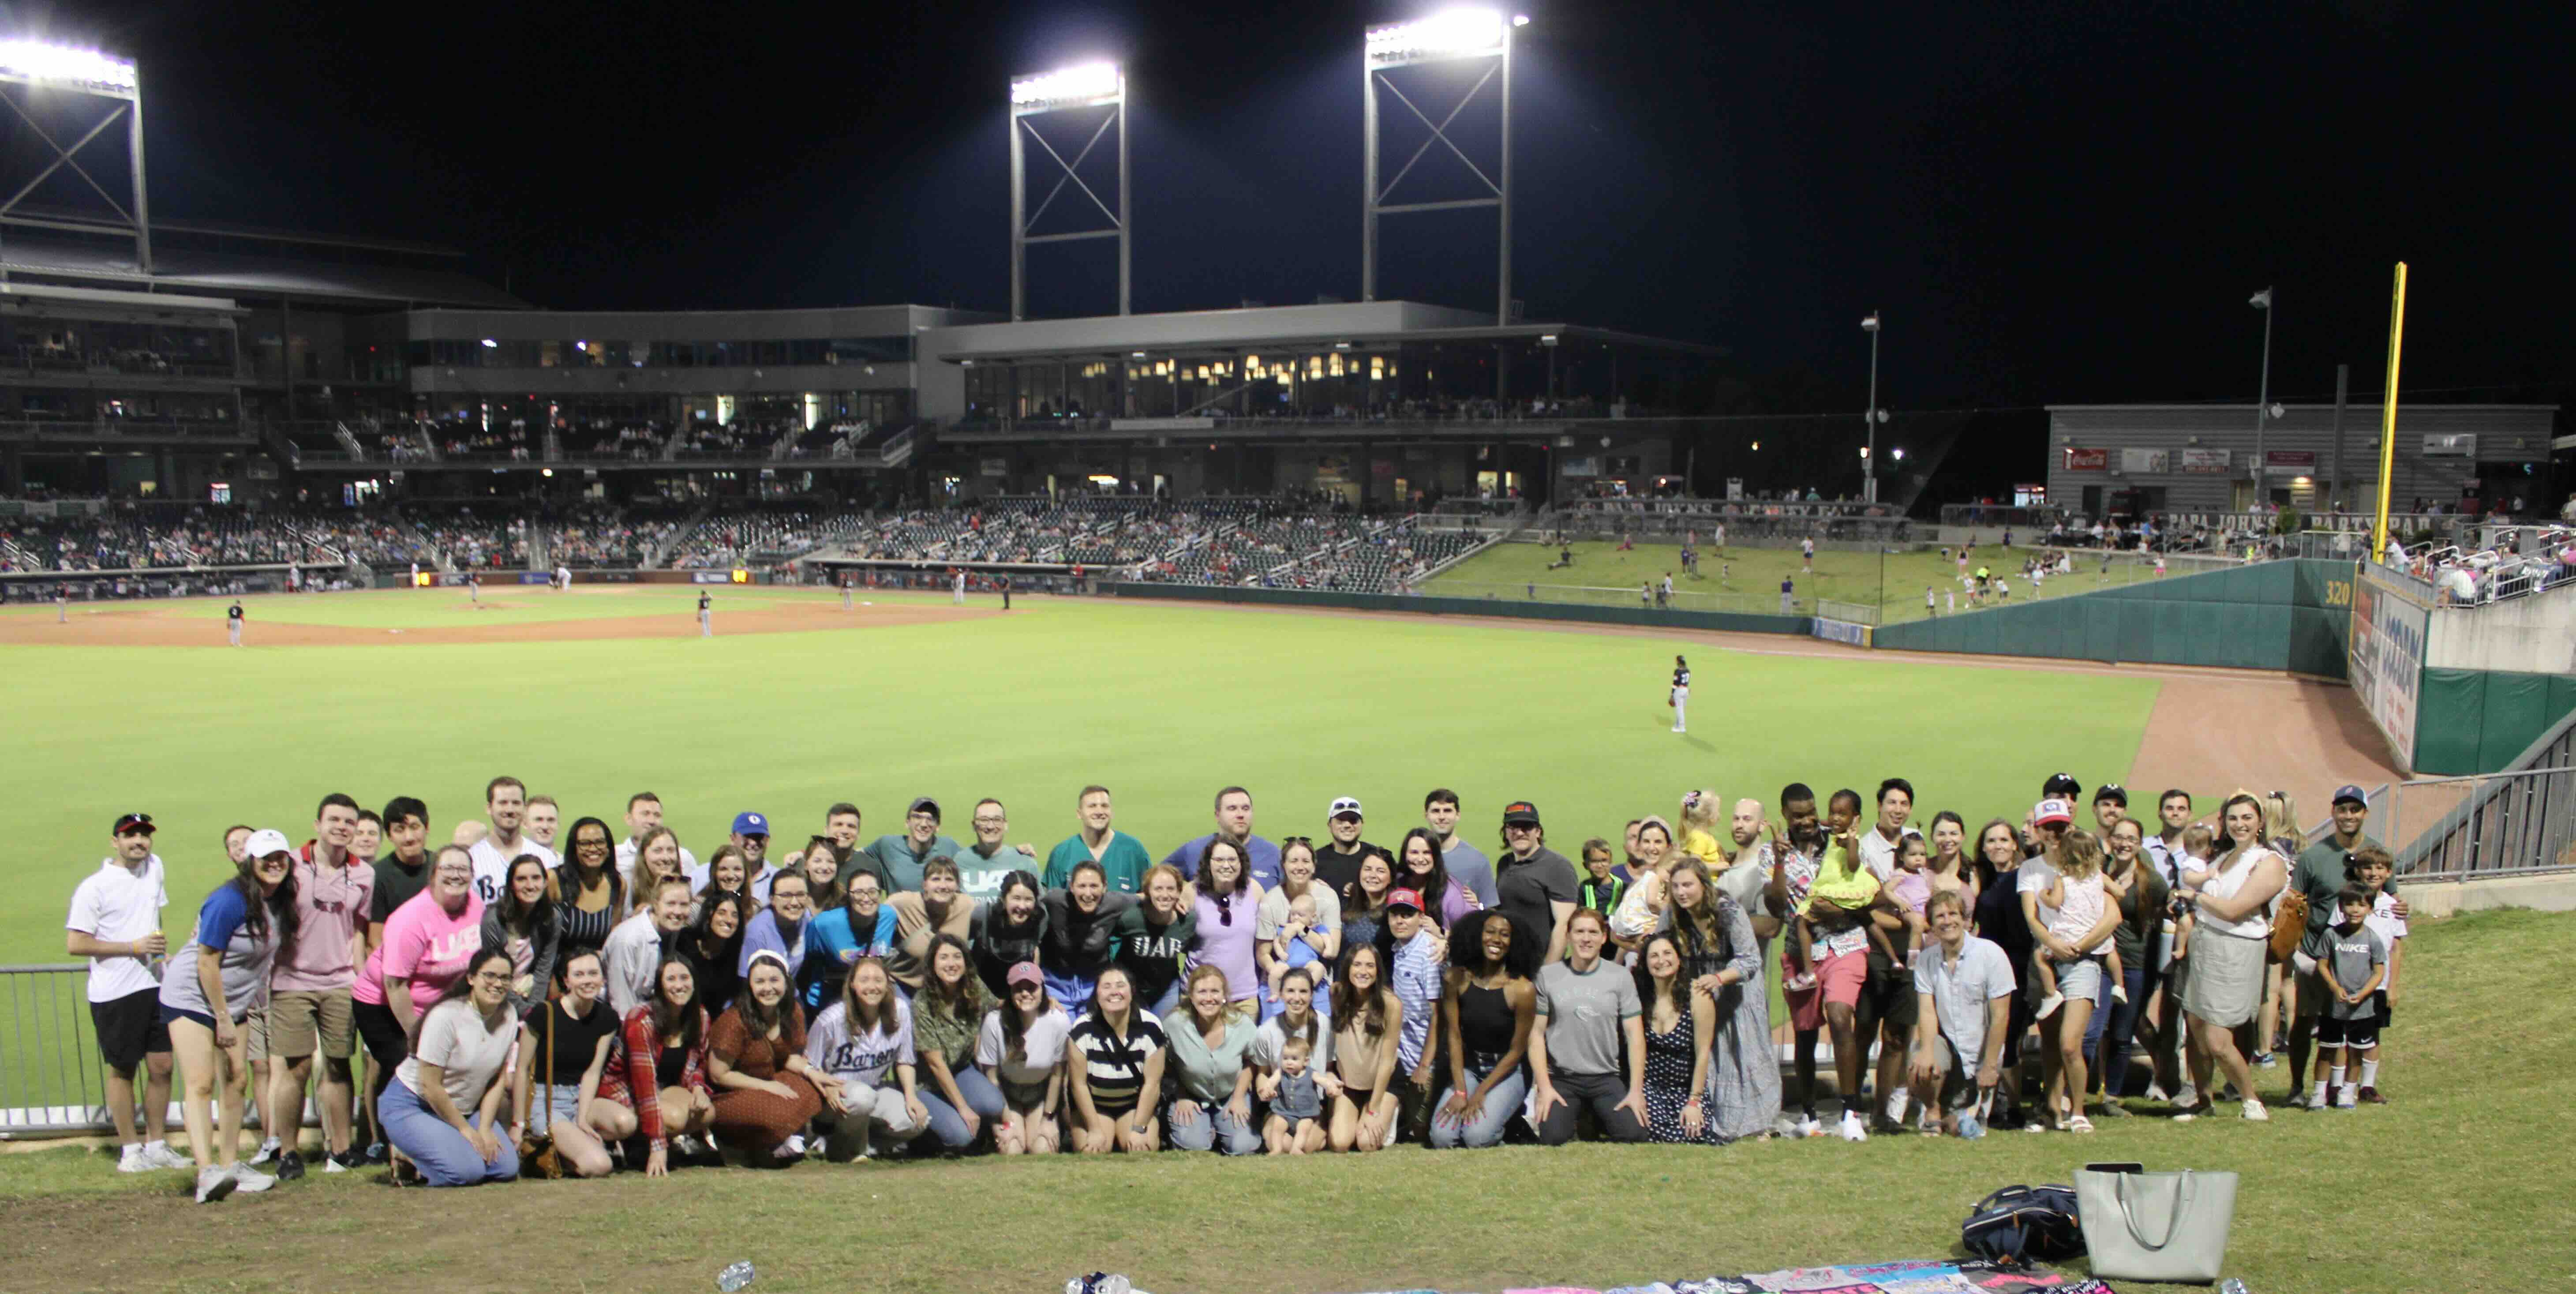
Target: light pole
(1869, 456)
(2263, 402)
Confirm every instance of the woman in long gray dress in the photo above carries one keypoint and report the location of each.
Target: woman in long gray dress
(1724, 962)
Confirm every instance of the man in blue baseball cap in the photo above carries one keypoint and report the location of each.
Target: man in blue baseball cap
(2320, 876)
(751, 836)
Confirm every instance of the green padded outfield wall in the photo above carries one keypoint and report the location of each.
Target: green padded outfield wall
(2288, 615)
(2477, 721)
(1727, 620)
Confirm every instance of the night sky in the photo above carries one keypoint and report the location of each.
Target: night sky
(2051, 203)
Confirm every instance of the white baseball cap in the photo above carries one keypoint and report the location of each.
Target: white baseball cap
(263, 843)
(1346, 804)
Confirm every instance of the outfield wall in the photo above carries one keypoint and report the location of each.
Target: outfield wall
(2480, 720)
(1731, 621)
(2291, 616)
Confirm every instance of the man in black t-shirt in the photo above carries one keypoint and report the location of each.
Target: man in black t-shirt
(1337, 861)
(1536, 884)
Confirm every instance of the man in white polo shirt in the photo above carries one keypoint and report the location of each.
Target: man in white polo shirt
(505, 802)
(643, 813)
(116, 923)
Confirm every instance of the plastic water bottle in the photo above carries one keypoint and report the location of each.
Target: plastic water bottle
(2231, 1285)
(736, 1277)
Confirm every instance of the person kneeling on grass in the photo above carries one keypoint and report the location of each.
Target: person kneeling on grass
(765, 1091)
(854, 1047)
(1587, 1010)
(455, 1067)
(657, 1066)
(566, 1061)
(1116, 1056)
(1964, 991)
(1020, 1049)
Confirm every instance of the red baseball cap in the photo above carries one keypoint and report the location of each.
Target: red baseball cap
(1404, 899)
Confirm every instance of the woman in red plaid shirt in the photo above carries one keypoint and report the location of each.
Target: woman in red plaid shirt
(661, 1054)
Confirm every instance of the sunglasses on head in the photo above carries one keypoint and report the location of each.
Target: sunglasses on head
(1307, 841)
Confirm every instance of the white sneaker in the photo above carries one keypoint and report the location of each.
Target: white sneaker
(267, 1151)
(1851, 1128)
(214, 1184)
(247, 1178)
(1810, 1126)
(332, 1164)
(131, 1160)
(687, 1147)
(160, 1155)
(2254, 1111)
(2049, 1004)
(2156, 1091)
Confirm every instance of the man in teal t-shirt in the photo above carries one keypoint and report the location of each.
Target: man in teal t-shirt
(899, 858)
(1122, 857)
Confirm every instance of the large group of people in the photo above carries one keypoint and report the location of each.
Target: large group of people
(531, 994)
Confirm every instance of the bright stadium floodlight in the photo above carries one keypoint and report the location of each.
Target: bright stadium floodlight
(1449, 36)
(65, 66)
(44, 65)
(1451, 33)
(1083, 85)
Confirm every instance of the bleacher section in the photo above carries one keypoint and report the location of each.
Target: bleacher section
(768, 534)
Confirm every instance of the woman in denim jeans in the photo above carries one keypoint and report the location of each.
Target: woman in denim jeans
(1491, 1006)
(945, 1016)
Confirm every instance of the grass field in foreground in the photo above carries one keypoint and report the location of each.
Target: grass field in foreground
(2443, 1190)
(1748, 580)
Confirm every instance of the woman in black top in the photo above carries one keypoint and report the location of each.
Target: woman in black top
(1154, 935)
(524, 925)
(1997, 855)
(1081, 935)
(591, 895)
(713, 947)
(1008, 930)
(563, 1063)
(1491, 1005)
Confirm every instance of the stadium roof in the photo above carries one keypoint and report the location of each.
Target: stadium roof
(1253, 328)
(228, 273)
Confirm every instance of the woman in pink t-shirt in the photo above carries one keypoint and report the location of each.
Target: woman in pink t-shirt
(427, 943)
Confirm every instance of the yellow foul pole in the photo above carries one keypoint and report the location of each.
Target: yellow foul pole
(2388, 415)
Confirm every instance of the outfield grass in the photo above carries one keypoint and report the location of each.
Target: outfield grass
(1164, 703)
(1748, 579)
(2444, 1190)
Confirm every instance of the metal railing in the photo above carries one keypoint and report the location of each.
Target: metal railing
(2516, 822)
(1859, 613)
(51, 1078)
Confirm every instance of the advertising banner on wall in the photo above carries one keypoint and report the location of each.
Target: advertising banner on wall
(2080, 459)
(2145, 462)
(2212, 462)
(2387, 668)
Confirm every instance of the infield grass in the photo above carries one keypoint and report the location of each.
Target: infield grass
(2445, 1190)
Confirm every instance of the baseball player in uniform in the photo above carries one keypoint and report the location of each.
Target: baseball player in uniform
(957, 589)
(474, 587)
(1681, 694)
(563, 579)
(62, 606)
(1807, 553)
(706, 615)
(848, 583)
(233, 621)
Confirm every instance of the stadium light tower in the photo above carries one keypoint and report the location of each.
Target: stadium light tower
(1450, 36)
(1088, 85)
(43, 66)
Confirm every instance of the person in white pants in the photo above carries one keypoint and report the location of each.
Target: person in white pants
(1681, 694)
(706, 616)
(957, 590)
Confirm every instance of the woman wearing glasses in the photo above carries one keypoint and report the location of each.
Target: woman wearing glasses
(1228, 907)
(443, 1108)
(594, 896)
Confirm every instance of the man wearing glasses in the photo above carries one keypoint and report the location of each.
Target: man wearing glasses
(899, 859)
(982, 866)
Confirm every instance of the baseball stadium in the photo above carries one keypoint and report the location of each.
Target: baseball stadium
(1707, 851)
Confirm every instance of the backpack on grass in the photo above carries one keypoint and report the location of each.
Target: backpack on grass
(2025, 1224)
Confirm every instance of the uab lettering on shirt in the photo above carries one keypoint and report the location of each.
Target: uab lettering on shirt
(1157, 946)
